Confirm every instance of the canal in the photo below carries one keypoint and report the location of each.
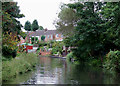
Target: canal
(59, 71)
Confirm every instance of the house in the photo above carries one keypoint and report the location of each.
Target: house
(49, 35)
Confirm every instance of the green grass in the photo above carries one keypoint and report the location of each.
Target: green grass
(19, 65)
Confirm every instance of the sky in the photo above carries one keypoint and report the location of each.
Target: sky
(45, 11)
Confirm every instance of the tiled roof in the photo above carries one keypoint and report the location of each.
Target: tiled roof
(43, 32)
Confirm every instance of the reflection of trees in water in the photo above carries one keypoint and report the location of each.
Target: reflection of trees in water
(112, 78)
(83, 74)
(56, 63)
(70, 73)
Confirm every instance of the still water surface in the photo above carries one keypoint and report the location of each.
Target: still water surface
(59, 71)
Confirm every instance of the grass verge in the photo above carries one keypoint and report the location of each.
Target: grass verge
(21, 64)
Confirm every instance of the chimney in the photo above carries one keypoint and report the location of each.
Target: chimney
(46, 29)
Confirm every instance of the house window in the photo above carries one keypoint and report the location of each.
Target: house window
(57, 35)
(48, 36)
(51, 37)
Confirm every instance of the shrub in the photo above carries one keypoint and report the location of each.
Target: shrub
(23, 63)
(9, 43)
(57, 47)
(8, 53)
(70, 55)
(54, 51)
(112, 62)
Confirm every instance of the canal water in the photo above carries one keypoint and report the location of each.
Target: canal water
(59, 71)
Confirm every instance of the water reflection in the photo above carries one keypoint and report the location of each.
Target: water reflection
(58, 71)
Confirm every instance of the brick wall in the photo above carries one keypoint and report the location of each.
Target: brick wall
(54, 37)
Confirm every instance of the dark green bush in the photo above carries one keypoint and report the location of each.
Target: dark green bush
(70, 55)
(54, 51)
(112, 62)
(8, 53)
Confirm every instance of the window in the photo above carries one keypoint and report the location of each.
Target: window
(57, 35)
(51, 37)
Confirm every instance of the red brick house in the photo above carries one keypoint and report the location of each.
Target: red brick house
(49, 35)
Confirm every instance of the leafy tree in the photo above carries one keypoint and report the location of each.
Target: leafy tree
(23, 34)
(11, 27)
(27, 26)
(41, 28)
(9, 46)
(88, 36)
(66, 21)
(42, 37)
(35, 25)
(10, 14)
(111, 16)
(97, 32)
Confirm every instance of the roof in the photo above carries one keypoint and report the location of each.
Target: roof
(43, 32)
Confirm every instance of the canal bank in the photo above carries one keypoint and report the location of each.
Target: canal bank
(23, 63)
(59, 71)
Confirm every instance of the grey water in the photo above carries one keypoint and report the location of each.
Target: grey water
(59, 71)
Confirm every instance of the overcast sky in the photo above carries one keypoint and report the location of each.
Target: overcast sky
(45, 11)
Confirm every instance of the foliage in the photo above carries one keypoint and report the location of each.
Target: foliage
(9, 45)
(66, 21)
(28, 26)
(21, 64)
(112, 62)
(23, 34)
(11, 27)
(42, 37)
(57, 47)
(96, 33)
(10, 14)
(35, 25)
(111, 16)
(41, 28)
(54, 51)
(88, 36)
(70, 55)
(21, 48)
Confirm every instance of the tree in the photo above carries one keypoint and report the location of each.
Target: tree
(35, 25)
(88, 37)
(41, 28)
(42, 37)
(10, 14)
(27, 26)
(11, 27)
(66, 21)
(23, 34)
(111, 16)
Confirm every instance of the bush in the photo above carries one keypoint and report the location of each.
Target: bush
(8, 53)
(57, 47)
(70, 55)
(23, 63)
(54, 51)
(112, 62)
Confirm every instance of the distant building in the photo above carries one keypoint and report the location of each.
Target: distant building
(49, 35)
